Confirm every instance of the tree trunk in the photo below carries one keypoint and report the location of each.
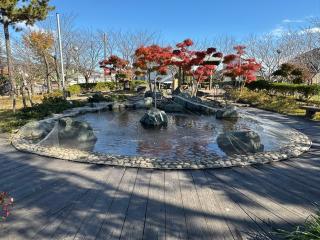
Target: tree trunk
(180, 77)
(149, 80)
(24, 101)
(56, 66)
(29, 96)
(9, 63)
(86, 78)
(47, 73)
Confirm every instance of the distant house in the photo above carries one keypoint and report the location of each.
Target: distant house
(311, 61)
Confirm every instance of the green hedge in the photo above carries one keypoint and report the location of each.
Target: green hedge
(303, 90)
(86, 87)
(74, 89)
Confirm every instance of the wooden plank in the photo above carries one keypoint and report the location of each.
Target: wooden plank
(293, 183)
(195, 220)
(134, 222)
(215, 217)
(155, 215)
(279, 192)
(36, 212)
(240, 223)
(113, 222)
(91, 226)
(176, 227)
(257, 202)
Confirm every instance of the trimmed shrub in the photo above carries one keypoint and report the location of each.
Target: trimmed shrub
(105, 86)
(97, 87)
(74, 89)
(306, 91)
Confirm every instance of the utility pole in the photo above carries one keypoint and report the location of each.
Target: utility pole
(61, 55)
(105, 52)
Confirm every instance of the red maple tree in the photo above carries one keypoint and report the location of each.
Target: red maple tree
(115, 65)
(199, 64)
(237, 66)
(153, 59)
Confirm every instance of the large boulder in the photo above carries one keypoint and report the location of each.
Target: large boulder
(227, 113)
(73, 133)
(154, 118)
(240, 142)
(37, 130)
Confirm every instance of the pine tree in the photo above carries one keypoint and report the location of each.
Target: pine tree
(17, 11)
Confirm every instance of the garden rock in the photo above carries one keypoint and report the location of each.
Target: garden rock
(154, 118)
(240, 142)
(37, 130)
(75, 133)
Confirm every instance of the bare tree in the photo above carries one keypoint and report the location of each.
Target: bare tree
(87, 53)
(265, 49)
(128, 42)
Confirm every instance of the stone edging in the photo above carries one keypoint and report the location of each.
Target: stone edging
(298, 144)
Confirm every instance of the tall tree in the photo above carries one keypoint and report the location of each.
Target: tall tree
(41, 44)
(239, 68)
(17, 11)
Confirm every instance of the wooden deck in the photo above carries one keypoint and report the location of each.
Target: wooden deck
(64, 200)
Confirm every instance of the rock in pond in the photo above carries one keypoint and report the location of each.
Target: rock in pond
(154, 118)
(37, 130)
(240, 142)
(227, 113)
(73, 133)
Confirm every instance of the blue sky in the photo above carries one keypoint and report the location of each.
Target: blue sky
(197, 19)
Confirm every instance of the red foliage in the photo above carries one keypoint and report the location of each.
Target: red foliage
(195, 63)
(114, 62)
(115, 65)
(239, 66)
(153, 58)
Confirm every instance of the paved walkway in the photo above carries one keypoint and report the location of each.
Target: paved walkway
(64, 200)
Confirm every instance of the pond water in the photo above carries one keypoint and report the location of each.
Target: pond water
(186, 136)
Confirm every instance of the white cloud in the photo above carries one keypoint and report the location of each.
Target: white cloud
(278, 31)
(293, 21)
(311, 30)
(23, 26)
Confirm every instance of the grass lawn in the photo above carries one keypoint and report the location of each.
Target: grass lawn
(10, 122)
(280, 104)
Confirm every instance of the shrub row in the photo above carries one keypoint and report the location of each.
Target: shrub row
(303, 90)
(100, 86)
(49, 105)
(85, 87)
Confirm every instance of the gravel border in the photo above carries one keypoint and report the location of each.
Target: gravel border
(298, 144)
